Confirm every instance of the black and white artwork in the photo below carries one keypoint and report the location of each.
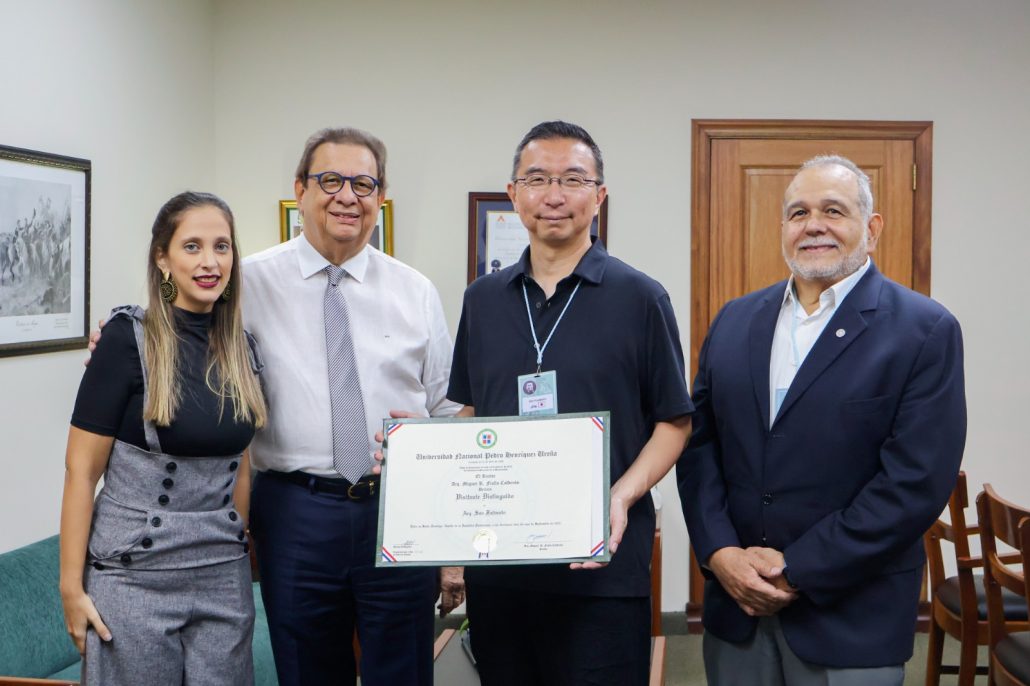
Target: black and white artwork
(44, 241)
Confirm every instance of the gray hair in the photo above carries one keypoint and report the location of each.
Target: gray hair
(865, 191)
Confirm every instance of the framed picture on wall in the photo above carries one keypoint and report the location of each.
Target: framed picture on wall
(382, 235)
(291, 225)
(44, 251)
(497, 237)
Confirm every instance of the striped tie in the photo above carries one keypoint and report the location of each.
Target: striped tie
(351, 456)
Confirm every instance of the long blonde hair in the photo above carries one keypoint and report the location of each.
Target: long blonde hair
(229, 373)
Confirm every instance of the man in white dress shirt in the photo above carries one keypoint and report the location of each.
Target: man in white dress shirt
(315, 530)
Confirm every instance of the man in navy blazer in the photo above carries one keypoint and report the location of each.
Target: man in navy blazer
(828, 434)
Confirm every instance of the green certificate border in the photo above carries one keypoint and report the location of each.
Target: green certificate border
(487, 422)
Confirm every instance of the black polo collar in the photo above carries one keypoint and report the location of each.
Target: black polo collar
(591, 266)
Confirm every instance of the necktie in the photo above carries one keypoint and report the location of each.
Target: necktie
(350, 431)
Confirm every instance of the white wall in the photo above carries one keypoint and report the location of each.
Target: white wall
(128, 86)
(452, 85)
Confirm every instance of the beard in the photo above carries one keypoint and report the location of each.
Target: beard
(847, 264)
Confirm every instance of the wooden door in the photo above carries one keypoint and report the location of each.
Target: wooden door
(741, 170)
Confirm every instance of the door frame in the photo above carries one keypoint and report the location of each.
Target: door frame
(704, 131)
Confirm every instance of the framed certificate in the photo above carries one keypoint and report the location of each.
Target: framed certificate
(495, 490)
(497, 237)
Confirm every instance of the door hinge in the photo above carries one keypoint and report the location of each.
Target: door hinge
(913, 177)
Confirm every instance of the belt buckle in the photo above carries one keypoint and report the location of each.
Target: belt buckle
(367, 485)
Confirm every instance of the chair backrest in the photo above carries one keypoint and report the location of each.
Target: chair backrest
(956, 532)
(1003, 521)
(33, 641)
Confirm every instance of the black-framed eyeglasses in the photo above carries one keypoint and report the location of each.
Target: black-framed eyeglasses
(570, 182)
(332, 182)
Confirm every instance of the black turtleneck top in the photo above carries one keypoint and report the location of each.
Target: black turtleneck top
(110, 399)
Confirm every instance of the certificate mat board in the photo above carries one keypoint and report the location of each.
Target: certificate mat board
(495, 490)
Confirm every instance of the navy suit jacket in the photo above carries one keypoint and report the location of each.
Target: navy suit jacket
(861, 459)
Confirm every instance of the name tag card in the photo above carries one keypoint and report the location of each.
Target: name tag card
(538, 394)
(495, 490)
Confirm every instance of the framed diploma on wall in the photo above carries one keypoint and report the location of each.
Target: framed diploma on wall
(497, 237)
(291, 225)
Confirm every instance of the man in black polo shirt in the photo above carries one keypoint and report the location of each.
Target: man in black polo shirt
(604, 335)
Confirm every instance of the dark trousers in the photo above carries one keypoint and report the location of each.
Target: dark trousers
(522, 638)
(316, 554)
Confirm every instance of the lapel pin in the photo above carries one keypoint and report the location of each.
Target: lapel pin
(840, 333)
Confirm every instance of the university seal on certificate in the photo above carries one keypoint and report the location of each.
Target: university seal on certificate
(494, 490)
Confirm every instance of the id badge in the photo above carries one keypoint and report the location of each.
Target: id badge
(538, 394)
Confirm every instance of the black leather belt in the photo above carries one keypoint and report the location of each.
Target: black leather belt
(366, 487)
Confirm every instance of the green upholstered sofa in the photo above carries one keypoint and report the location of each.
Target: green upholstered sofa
(33, 642)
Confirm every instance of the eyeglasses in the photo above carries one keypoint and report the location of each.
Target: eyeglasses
(570, 182)
(332, 182)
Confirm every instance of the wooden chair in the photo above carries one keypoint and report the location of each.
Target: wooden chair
(1002, 521)
(958, 605)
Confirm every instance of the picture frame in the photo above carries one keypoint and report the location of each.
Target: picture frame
(496, 233)
(44, 251)
(291, 225)
(382, 235)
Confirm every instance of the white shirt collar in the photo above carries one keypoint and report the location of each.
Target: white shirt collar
(311, 261)
(835, 294)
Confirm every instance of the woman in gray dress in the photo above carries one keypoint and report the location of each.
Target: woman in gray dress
(155, 575)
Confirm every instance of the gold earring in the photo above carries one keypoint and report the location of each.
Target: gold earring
(227, 293)
(169, 291)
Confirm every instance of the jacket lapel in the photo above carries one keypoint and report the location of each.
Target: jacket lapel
(763, 326)
(847, 319)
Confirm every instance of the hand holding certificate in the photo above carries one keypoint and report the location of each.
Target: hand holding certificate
(489, 490)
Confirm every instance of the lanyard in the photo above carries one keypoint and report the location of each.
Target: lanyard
(532, 328)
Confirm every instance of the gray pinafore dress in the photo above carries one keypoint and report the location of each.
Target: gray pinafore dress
(167, 566)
